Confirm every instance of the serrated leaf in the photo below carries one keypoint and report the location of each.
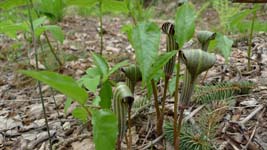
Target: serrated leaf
(62, 83)
(101, 64)
(145, 41)
(80, 113)
(184, 23)
(224, 44)
(106, 94)
(105, 129)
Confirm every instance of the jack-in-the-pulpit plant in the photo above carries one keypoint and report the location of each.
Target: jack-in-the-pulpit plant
(204, 37)
(122, 104)
(196, 62)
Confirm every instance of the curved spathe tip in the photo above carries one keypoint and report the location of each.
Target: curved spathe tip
(197, 61)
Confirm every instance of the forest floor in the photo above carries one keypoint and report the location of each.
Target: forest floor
(242, 124)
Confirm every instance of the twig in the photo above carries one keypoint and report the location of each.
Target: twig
(193, 113)
(153, 142)
(251, 136)
(70, 140)
(242, 122)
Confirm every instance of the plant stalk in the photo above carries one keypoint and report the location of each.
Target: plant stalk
(30, 4)
(52, 49)
(250, 40)
(129, 144)
(179, 128)
(156, 103)
(101, 27)
(161, 120)
(176, 102)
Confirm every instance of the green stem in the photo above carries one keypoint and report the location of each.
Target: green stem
(179, 128)
(156, 103)
(52, 49)
(129, 145)
(161, 121)
(30, 4)
(176, 102)
(250, 40)
(101, 27)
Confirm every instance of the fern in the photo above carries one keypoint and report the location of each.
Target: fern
(221, 91)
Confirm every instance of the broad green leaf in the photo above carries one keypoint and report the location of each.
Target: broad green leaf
(10, 29)
(224, 44)
(115, 68)
(105, 129)
(96, 101)
(62, 83)
(184, 23)
(56, 32)
(8, 4)
(145, 41)
(160, 61)
(101, 64)
(53, 9)
(38, 22)
(88, 3)
(80, 113)
(67, 105)
(92, 72)
(90, 83)
(106, 94)
(114, 6)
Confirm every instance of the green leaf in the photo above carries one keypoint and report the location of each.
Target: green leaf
(96, 101)
(56, 32)
(92, 72)
(105, 129)
(8, 4)
(145, 41)
(184, 23)
(114, 6)
(224, 44)
(62, 83)
(90, 83)
(106, 94)
(10, 29)
(38, 22)
(101, 64)
(160, 61)
(80, 113)
(67, 105)
(115, 68)
(88, 3)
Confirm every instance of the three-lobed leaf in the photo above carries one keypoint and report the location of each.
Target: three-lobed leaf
(62, 83)
(184, 23)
